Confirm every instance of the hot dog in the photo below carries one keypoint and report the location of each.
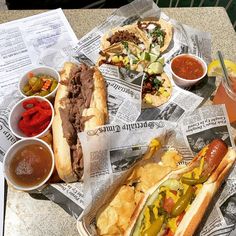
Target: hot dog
(176, 204)
(80, 104)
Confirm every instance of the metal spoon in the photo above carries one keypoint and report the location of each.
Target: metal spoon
(225, 73)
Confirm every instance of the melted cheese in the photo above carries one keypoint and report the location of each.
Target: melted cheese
(147, 218)
(196, 172)
(198, 186)
(169, 194)
(155, 143)
(172, 224)
(201, 166)
(202, 153)
(147, 222)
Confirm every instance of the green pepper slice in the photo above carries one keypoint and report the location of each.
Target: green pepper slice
(54, 85)
(37, 85)
(26, 88)
(191, 181)
(43, 93)
(33, 80)
(29, 93)
(183, 202)
(155, 227)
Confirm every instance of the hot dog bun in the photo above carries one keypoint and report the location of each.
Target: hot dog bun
(197, 210)
(216, 155)
(225, 158)
(96, 113)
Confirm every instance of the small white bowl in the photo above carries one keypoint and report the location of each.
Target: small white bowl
(185, 82)
(15, 116)
(40, 70)
(11, 153)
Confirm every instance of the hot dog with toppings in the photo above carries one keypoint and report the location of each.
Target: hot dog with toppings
(176, 204)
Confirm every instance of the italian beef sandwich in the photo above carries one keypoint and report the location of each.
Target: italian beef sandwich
(80, 104)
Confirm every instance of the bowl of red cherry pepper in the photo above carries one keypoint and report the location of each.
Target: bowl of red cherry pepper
(31, 117)
(41, 81)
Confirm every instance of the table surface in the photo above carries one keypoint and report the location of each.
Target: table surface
(27, 216)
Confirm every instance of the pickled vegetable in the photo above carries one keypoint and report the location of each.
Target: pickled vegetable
(191, 181)
(39, 85)
(53, 86)
(155, 227)
(183, 202)
(32, 81)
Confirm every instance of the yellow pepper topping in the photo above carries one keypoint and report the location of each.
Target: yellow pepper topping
(126, 60)
(166, 94)
(115, 59)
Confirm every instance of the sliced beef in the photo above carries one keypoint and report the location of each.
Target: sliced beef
(80, 88)
(124, 35)
(68, 128)
(77, 157)
(151, 84)
(119, 64)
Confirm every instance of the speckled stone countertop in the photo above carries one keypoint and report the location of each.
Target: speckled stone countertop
(27, 216)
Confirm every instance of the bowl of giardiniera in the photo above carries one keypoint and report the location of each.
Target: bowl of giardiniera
(41, 81)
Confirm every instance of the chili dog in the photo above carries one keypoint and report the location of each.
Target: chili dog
(80, 104)
(176, 204)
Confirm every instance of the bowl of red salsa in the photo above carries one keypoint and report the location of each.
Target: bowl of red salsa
(31, 117)
(188, 69)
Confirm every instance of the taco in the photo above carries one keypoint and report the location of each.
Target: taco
(127, 33)
(123, 54)
(156, 90)
(158, 32)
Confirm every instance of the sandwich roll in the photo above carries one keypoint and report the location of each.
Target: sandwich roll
(80, 104)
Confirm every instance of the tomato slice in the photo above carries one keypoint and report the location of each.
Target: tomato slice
(180, 217)
(168, 204)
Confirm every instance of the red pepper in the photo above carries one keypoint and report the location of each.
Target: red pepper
(36, 117)
(30, 103)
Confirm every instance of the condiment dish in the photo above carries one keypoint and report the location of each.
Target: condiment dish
(183, 82)
(25, 166)
(16, 115)
(41, 70)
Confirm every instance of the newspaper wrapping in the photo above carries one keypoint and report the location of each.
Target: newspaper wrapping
(120, 94)
(117, 145)
(124, 87)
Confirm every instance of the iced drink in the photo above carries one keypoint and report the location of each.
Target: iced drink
(227, 95)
